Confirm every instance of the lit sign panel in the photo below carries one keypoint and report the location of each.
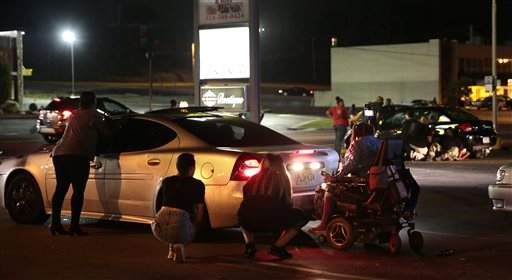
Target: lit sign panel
(231, 98)
(223, 11)
(224, 53)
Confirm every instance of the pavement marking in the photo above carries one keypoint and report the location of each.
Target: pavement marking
(296, 268)
(466, 236)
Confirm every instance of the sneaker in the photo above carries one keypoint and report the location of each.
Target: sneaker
(280, 252)
(250, 250)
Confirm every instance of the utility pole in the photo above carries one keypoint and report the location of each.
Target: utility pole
(254, 34)
(494, 72)
(149, 56)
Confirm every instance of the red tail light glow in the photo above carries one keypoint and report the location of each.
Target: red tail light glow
(66, 114)
(465, 127)
(245, 167)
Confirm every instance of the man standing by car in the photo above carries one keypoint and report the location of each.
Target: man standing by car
(340, 116)
(71, 157)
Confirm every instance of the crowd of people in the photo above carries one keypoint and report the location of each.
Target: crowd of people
(421, 142)
(266, 205)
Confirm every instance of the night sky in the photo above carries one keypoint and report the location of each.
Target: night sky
(111, 48)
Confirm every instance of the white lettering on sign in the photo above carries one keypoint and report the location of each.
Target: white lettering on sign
(211, 99)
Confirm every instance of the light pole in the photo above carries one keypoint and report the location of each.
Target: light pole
(69, 37)
(494, 72)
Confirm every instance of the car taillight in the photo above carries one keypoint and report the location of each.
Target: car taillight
(465, 127)
(66, 114)
(245, 167)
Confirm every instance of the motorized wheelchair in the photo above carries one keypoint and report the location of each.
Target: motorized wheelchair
(365, 216)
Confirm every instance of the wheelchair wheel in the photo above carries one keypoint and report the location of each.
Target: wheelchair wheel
(395, 244)
(340, 234)
(416, 241)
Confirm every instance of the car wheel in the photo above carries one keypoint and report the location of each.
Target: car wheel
(52, 139)
(340, 234)
(24, 201)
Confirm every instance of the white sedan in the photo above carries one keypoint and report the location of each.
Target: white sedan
(501, 192)
(125, 178)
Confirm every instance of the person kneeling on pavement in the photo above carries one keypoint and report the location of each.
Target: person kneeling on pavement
(267, 208)
(182, 210)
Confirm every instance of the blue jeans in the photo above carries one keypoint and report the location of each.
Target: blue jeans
(340, 131)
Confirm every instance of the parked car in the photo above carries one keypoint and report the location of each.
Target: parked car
(477, 135)
(125, 178)
(295, 91)
(500, 193)
(503, 103)
(53, 118)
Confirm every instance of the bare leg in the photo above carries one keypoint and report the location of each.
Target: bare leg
(250, 247)
(248, 236)
(179, 253)
(171, 252)
(326, 213)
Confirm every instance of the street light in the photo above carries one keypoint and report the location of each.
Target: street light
(69, 37)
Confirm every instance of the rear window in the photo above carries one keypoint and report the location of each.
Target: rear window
(233, 132)
(459, 115)
(63, 104)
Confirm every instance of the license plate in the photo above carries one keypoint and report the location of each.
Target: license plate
(304, 178)
(46, 130)
(486, 140)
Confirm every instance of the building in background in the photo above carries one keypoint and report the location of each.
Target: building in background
(440, 69)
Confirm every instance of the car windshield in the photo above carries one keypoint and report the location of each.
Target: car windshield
(233, 132)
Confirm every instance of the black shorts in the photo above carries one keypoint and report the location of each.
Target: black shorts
(259, 214)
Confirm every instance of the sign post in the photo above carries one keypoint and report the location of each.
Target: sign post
(226, 54)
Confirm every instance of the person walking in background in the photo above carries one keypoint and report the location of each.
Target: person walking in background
(182, 212)
(339, 116)
(71, 157)
(173, 103)
(267, 207)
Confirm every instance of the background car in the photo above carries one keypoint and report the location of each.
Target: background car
(295, 91)
(503, 103)
(477, 135)
(53, 118)
(125, 178)
(500, 193)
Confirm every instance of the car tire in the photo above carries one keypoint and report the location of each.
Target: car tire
(52, 139)
(24, 201)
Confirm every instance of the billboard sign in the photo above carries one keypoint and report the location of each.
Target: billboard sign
(232, 98)
(224, 53)
(223, 11)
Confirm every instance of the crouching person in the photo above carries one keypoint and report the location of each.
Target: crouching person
(182, 210)
(267, 208)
